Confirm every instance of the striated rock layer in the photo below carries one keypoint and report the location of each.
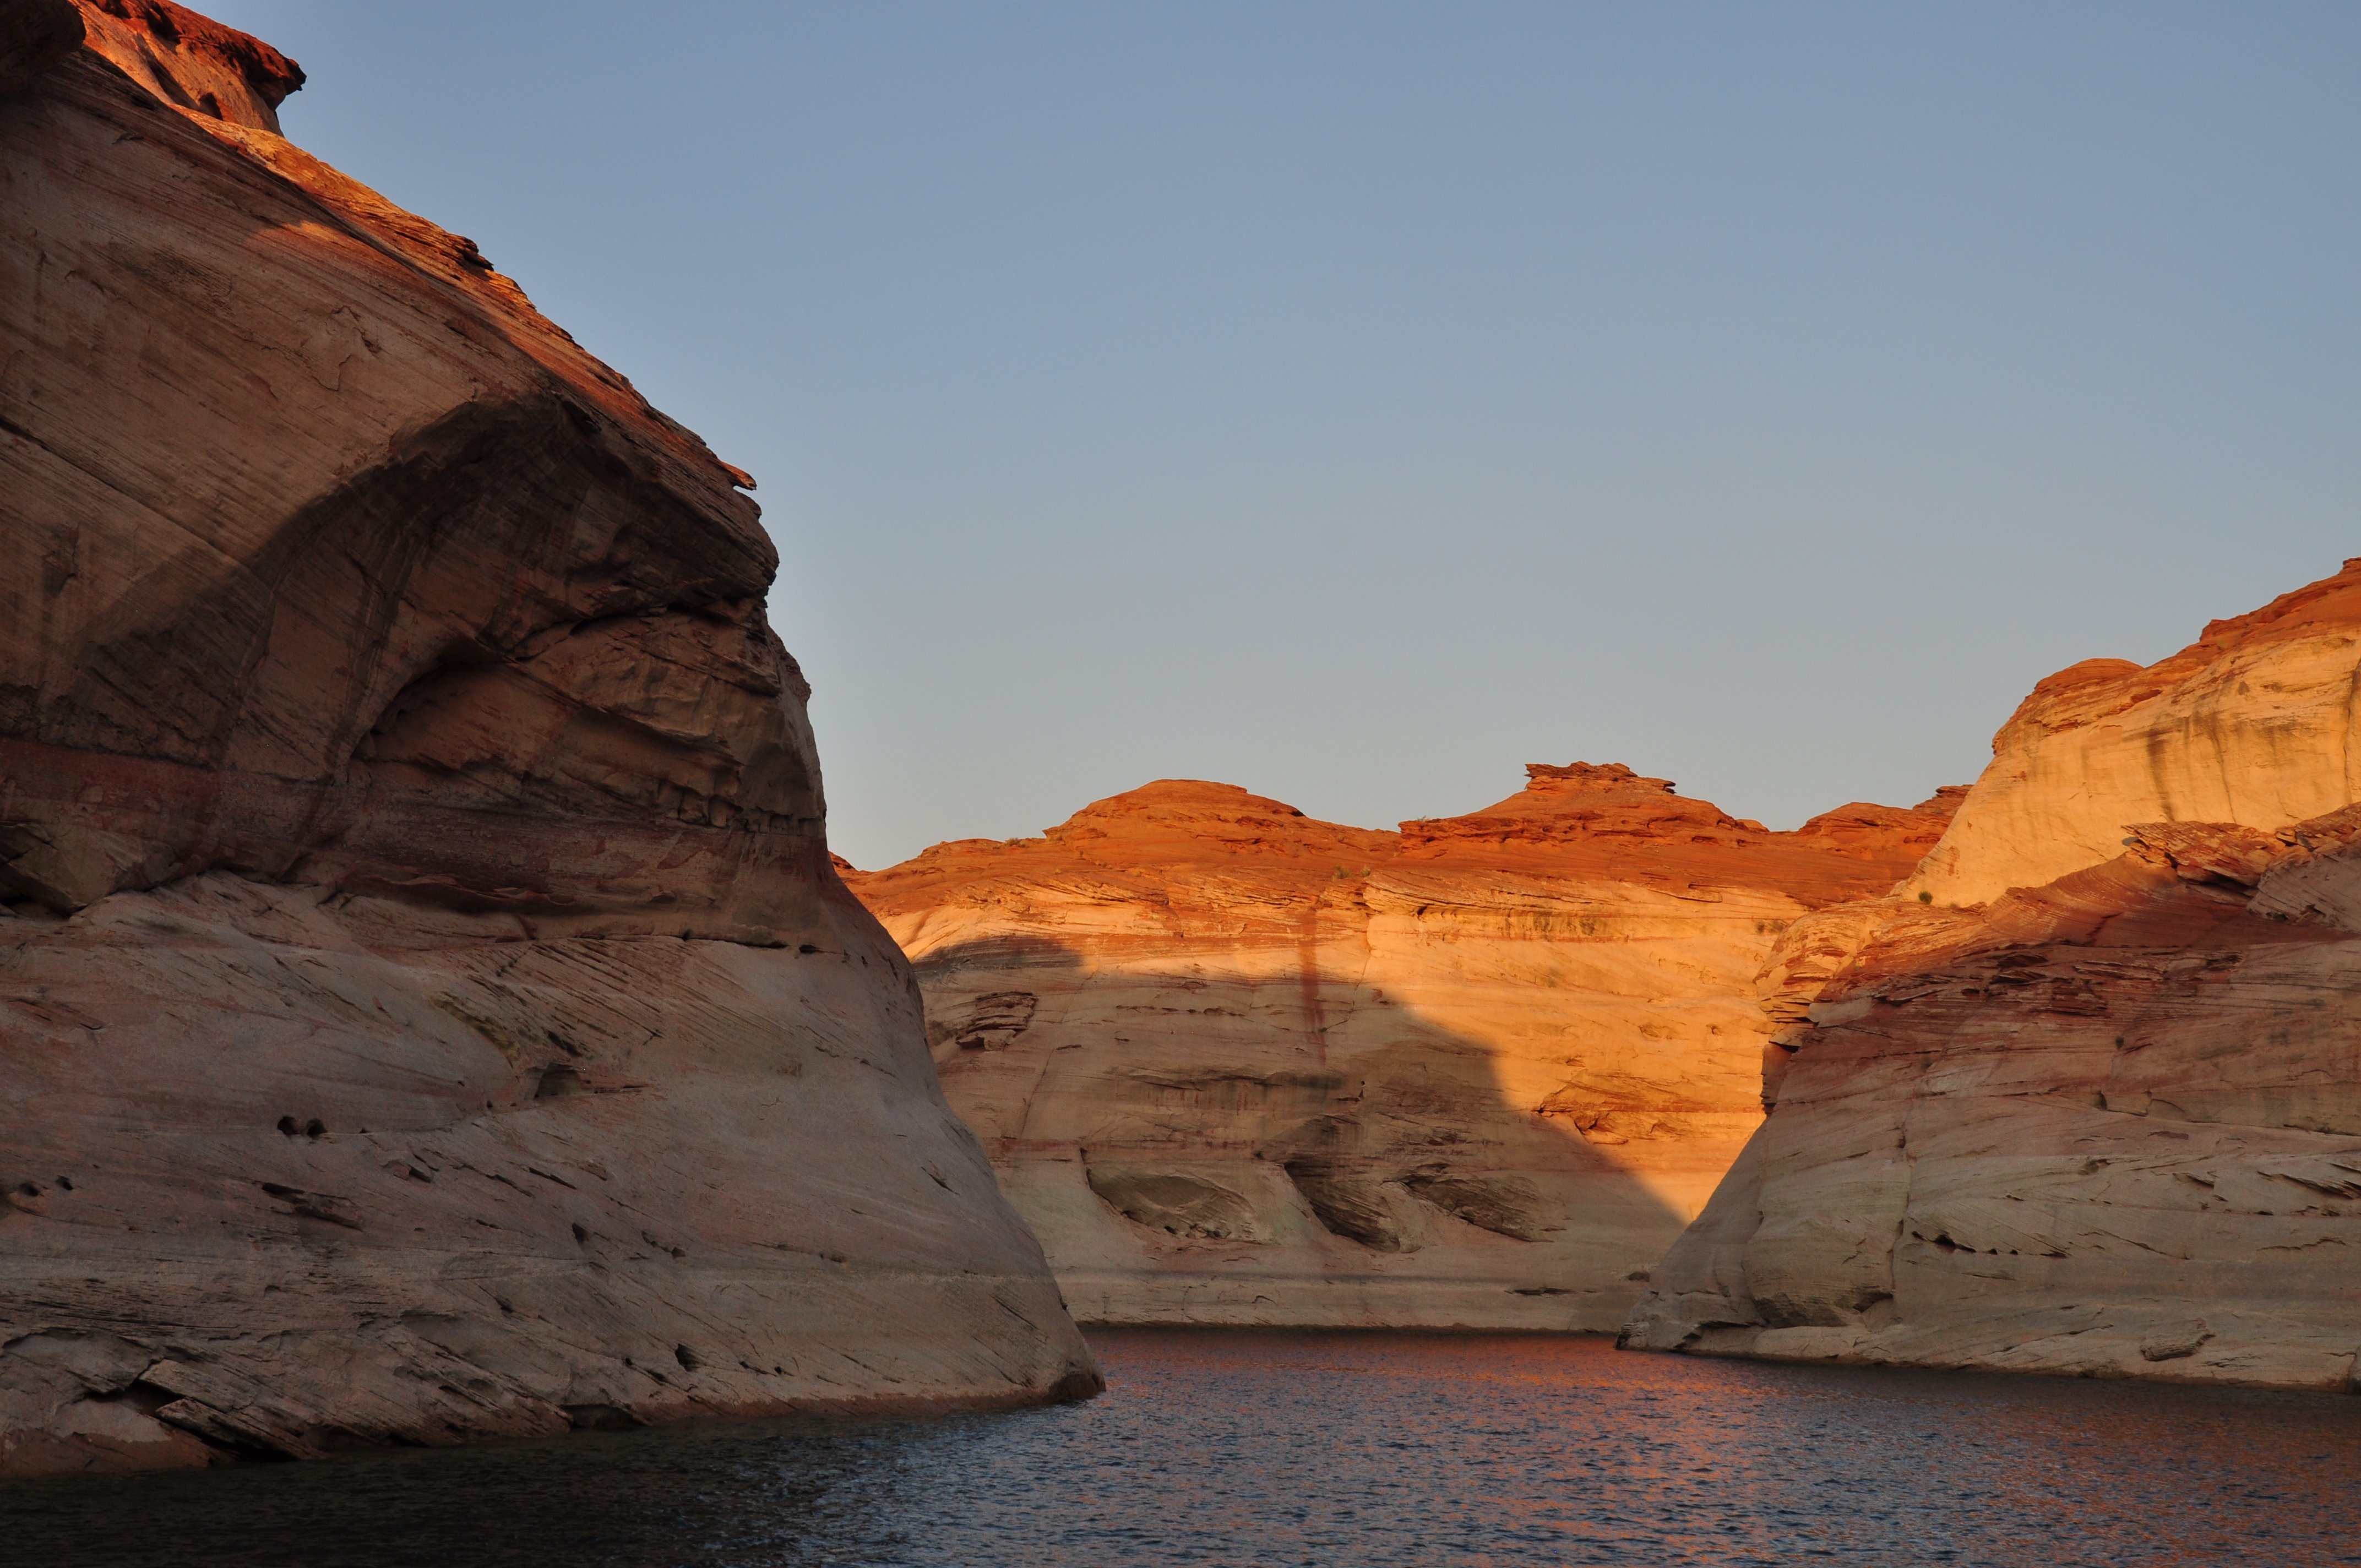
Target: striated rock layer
(2106, 1125)
(1238, 1065)
(427, 1010)
(2254, 723)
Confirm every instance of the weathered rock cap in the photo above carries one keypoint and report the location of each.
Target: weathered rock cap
(194, 62)
(1586, 800)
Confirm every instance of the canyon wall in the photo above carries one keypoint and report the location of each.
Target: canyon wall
(427, 1008)
(1238, 1066)
(2251, 724)
(2086, 1096)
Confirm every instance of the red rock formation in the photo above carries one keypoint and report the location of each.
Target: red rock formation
(192, 62)
(2109, 1124)
(1581, 802)
(2254, 723)
(1609, 821)
(1237, 1064)
(427, 1007)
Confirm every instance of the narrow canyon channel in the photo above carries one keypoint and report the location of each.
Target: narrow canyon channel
(440, 1042)
(1253, 1447)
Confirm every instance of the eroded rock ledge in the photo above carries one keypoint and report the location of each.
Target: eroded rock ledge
(1239, 1066)
(428, 1010)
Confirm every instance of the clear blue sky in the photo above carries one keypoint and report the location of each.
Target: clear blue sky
(1356, 402)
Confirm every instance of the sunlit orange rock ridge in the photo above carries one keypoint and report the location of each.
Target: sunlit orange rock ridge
(426, 1008)
(2254, 723)
(1239, 1066)
(2106, 1119)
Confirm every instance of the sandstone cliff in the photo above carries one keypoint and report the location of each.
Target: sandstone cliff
(1238, 1065)
(426, 1008)
(2253, 724)
(2109, 1124)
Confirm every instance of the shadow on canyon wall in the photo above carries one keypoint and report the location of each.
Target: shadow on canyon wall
(1204, 1105)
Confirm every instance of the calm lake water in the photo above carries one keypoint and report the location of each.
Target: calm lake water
(1321, 1449)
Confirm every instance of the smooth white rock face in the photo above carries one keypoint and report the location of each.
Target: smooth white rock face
(282, 1175)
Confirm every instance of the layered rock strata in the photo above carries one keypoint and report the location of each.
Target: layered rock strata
(2108, 1124)
(427, 1011)
(2253, 724)
(1238, 1065)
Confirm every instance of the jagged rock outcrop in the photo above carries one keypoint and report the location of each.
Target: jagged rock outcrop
(1238, 1065)
(426, 1008)
(2106, 1125)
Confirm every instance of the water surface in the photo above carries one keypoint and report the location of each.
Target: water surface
(1344, 1450)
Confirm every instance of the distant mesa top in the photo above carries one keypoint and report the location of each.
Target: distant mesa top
(1583, 799)
(1579, 819)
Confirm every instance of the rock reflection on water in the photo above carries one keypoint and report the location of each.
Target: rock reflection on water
(1264, 1448)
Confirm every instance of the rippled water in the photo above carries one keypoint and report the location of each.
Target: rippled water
(1321, 1448)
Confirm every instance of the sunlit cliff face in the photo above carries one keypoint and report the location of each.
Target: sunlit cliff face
(2253, 724)
(2092, 1104)
(1236, 1065)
